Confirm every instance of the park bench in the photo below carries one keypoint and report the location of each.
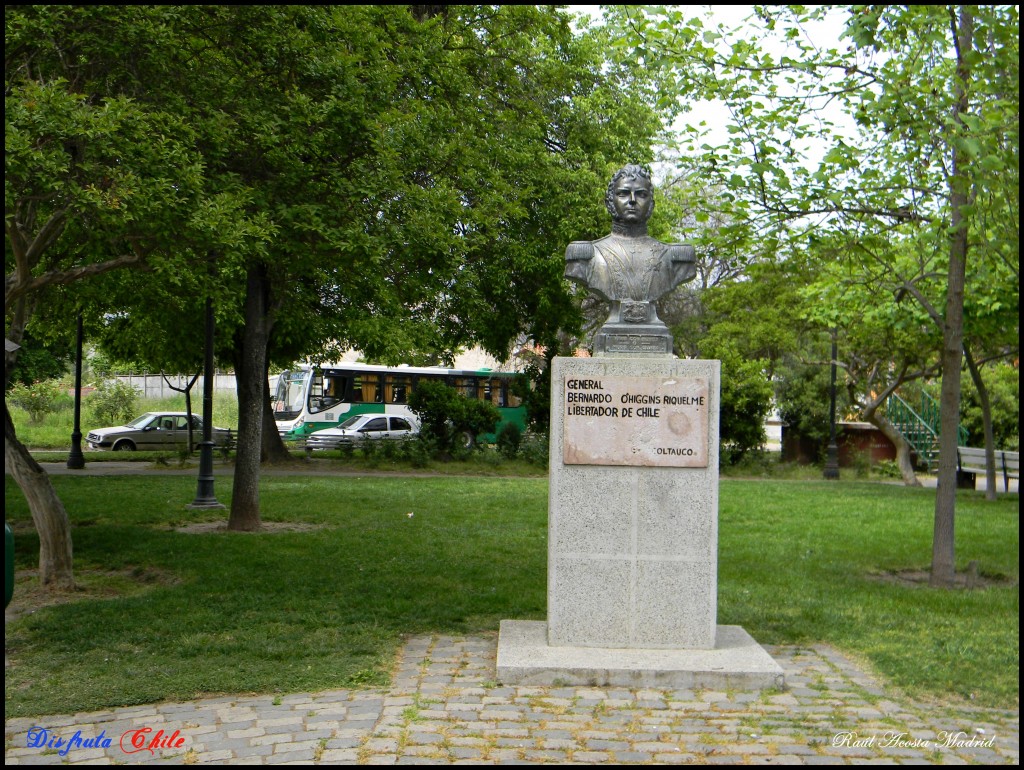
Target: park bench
(227, 445)
(972, 460)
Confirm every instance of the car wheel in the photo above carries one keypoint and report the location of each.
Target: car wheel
(124, 446)
(466, 439)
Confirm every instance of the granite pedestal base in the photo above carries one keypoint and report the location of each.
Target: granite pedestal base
(633, 536)
(633, 548)
(737, 662)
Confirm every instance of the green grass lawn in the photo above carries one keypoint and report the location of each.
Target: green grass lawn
(166, 614)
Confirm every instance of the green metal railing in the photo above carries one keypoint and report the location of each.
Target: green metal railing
(920, 427)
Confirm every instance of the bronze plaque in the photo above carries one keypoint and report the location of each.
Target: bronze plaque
(651, 421)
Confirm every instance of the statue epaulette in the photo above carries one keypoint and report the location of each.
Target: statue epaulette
(579, 250)
(682, 252)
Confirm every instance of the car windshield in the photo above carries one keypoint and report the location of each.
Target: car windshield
(141, 422)
(351, 422)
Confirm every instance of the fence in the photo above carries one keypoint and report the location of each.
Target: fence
(154, 386)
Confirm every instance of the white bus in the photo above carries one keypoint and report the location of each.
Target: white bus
(314, 398)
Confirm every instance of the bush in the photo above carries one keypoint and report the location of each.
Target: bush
(535, 449)
(450, 420)
(114, 402)
(39, 399)
(509, 440)
(888, 469)
(746, 400)
(754, 463)
(861, 462)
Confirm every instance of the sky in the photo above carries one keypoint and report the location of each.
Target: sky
(714, 114)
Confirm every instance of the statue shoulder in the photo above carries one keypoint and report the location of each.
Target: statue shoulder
(579, 250)
(682, 252)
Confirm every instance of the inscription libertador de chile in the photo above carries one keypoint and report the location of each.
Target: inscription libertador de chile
(651, 421)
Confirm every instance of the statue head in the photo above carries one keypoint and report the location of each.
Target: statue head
(630, 195)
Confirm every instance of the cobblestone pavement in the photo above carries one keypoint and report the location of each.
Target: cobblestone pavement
(444, 707)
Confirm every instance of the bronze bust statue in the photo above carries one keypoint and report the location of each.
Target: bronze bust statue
(630, 269)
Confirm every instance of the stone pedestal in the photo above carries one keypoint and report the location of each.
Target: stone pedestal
(633, 534)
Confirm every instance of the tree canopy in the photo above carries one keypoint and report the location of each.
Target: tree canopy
(897, 140)
(400, 179)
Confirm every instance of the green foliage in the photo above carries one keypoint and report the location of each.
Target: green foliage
(889, 154)
(510, 438)
(44, 359)
(367, 178)
(887, 469)
(449, 420)
(861, 464)
(748, 328)
(746, 401)
(803, 397)
(534, 390)
(1002, 380)
(536, 449)
(101, 365)
(40, 398)
(114, 402)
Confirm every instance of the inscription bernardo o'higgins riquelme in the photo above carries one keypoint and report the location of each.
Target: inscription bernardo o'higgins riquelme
(653, 421)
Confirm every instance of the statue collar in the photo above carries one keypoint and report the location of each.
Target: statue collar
(629, 231)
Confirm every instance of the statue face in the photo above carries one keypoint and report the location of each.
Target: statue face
(633, 201)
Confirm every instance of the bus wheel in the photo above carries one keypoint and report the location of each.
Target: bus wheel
(466, 439)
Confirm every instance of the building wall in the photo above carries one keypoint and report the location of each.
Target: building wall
(852, 438)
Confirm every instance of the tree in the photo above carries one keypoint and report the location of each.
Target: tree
(1004, 408)
(930, 103)
(749, 320)
(43, 359)
(370, 176)
(93, 183)
(430, 168)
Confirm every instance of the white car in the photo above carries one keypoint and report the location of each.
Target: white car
(364, 427)
(154, 430)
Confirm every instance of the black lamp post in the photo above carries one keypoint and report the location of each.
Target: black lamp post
(832, 459)
(205, 497)
(76, 460)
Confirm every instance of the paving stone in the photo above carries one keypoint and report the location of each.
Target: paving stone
(461, 720)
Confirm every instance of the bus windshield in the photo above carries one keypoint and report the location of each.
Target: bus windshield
(290, 398)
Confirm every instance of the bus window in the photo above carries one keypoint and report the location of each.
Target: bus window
(366, 388)
(467, 387)
(494, 391)
(397, 388)
(511, 399)
(327, 390)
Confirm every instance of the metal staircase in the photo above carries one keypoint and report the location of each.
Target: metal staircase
(920, 427)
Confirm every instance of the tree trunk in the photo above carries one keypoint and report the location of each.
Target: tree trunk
(943, 542)
(48, 513)
(986, 418)
(903, 459)
(250, 374)
(187, 390)
(274, 450)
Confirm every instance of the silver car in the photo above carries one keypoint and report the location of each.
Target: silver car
(364, 427)
(155, 430)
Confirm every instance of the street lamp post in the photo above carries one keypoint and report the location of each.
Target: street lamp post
(76, 460)
(832, 459)
(205, 497)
